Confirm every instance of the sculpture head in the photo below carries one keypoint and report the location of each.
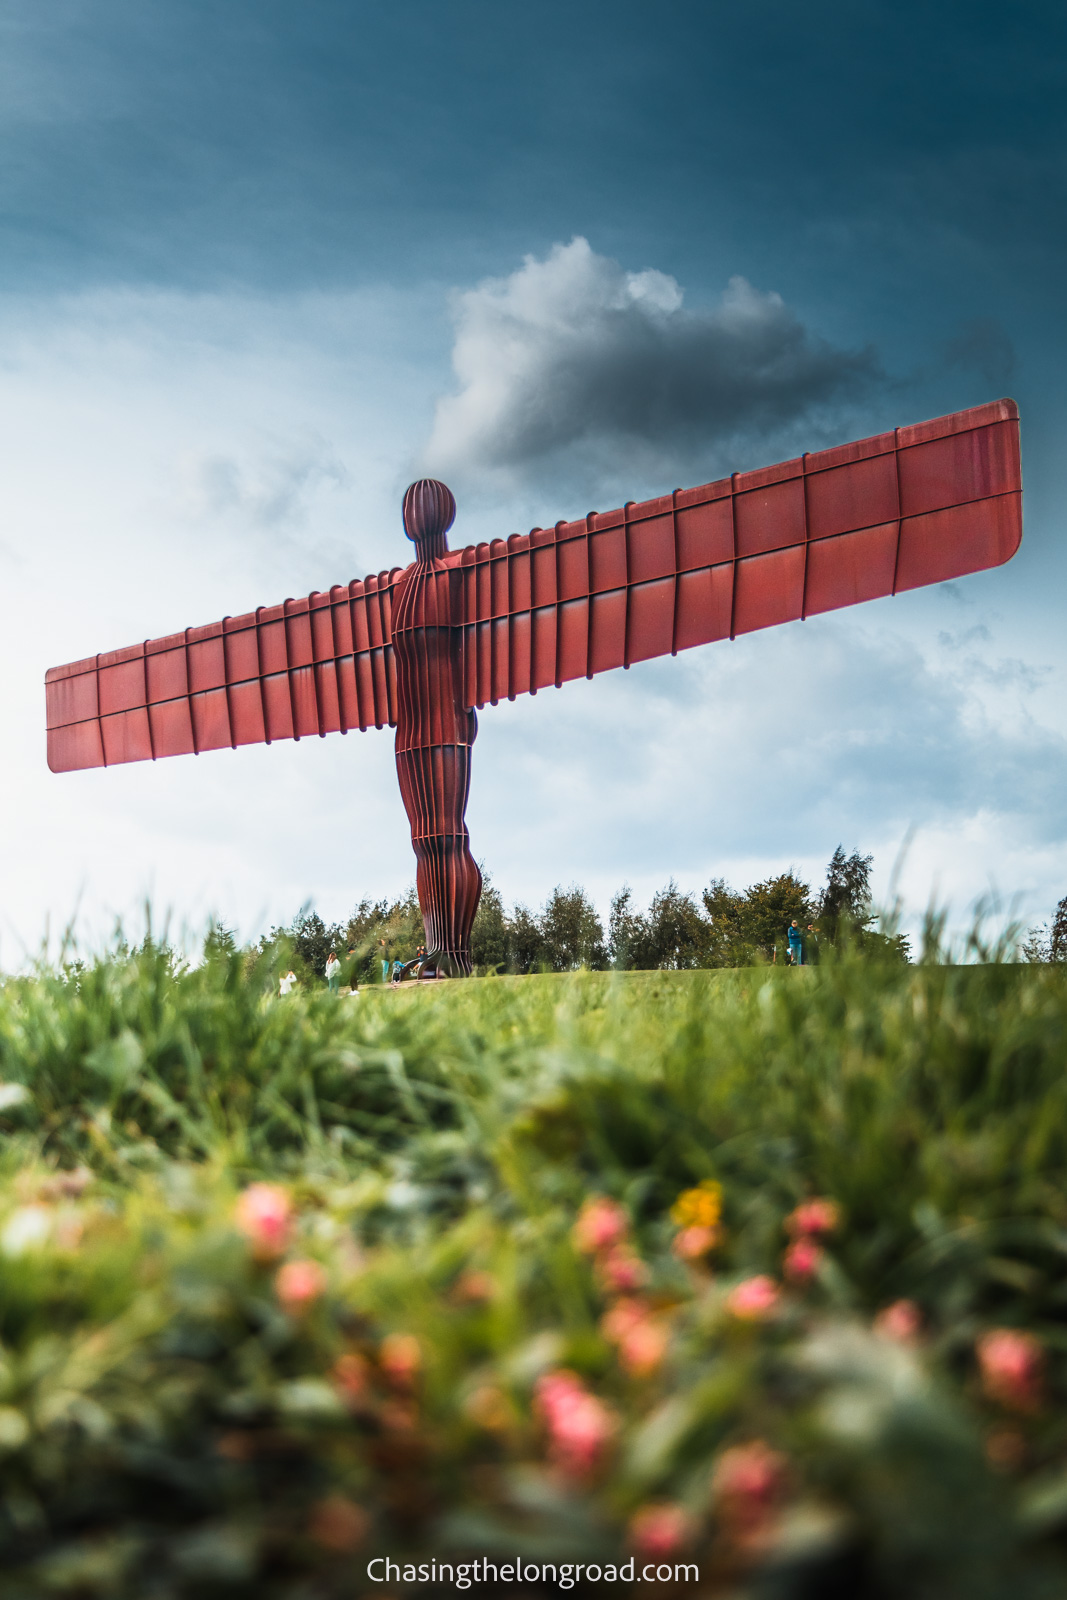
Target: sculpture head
(429, 512)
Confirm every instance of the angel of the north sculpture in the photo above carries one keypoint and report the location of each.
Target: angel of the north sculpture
(421, 648)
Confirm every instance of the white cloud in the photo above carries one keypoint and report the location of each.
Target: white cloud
(574, 370)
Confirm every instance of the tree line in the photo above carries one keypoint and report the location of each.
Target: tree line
(720, 927)
(1048, 941)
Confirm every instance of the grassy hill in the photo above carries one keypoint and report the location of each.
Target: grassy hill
(759, 1273)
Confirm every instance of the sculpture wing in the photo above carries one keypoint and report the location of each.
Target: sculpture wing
(311, 666)
(897, 511)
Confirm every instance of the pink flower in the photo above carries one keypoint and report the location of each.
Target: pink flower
(660, 1530)
(802, 1260)
(264, 1214)
(1010, 1362)
(692, 1243)
(474, 1287)
(351, 1375)
(814, 1217)
(580, 1426)
(747, 1483)
(400, 1358)
(619, 1270)
(601, 1223)
(902, 1322)
(338, 1524)
(619, 1318)
(298, 1284)
(643, 1346)
(753, 1298)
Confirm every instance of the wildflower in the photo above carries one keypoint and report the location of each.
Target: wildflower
(65, 1185)
(488, 1407)
(338, 1524)
(813, 1217)
(399, 1416)
(643, 1346)
(693, 1242)
(747, 1484)
(620, 1270)
(753, 1298)
(625, 1314)
(299, 1284)
(400, 1358)
(1010, 1362)
(264, 1214)
(351, 1376)
(901, 1322)
(700, 1207)
(601, 1223)
(27, 1229)
(580, 1426)
(660, 1530)
(1005, 1449)
(802, 1260)
(69, 1228)
(473, 1287)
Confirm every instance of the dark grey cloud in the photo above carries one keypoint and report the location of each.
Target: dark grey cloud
(573, 368)
(983, 345)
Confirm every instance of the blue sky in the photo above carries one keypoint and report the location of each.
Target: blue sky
(261, 263)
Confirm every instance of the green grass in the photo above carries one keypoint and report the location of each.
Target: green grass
(167, 1428)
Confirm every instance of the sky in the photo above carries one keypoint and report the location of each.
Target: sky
(261, 264)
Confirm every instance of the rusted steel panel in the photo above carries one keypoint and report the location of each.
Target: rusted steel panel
(895, 511)
(244, 680)
(853, 523)
(851, 567)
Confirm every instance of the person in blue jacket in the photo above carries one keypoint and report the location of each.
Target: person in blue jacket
(796, 943)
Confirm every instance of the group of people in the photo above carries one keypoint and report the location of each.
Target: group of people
(333, 977)
(799, 941)
(393, 970)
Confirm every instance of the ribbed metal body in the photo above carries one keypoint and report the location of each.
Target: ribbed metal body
(434, 736)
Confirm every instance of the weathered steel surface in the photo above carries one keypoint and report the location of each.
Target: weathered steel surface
(435, 730)
(831, 529)
(418, 649)
(321, 664)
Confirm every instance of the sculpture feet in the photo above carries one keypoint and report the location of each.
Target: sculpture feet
(443, 964)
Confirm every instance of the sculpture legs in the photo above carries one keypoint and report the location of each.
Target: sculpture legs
(434, 784)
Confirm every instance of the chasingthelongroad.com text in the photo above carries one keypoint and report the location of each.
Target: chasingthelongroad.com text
(564, 1575)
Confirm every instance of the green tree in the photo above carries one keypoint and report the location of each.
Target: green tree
(846, 896)
(526, 945)
(626, 930)
(845, 911)
(1045, 943)
(312, 941)
(489, 935)
(1057, 948)
(673, 934)
(572, 933)
(768, 909)
(727, 939)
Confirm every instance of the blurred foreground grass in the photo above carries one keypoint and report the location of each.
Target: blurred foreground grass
(288, 1285)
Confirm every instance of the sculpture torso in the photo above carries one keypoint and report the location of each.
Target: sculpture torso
(435, 732)
(428, 643)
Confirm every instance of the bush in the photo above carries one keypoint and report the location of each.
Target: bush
(758, 1270)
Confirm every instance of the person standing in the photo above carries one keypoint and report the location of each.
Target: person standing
(333, 973)
(285, 986)
(796, 943)
(383, 955)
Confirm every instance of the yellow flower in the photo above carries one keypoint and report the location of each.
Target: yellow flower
(700, 1207)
